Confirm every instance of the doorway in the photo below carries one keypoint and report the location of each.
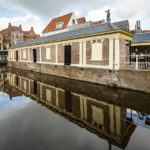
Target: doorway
(67, 60)
(34, 56)
(16, 55)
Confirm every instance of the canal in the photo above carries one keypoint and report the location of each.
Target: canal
(39, 111)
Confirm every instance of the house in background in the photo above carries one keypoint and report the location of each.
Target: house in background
(14, 35)
(1, 42)
(141, 40)
(65, 23)
(30, 35)
(138, 28)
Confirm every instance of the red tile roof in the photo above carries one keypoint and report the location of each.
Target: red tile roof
(81, 20)
(146, 31)
(52, 25)
(31, 37)
(98, 22)
(9, 28)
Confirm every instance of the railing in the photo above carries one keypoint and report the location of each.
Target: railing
(135, 62)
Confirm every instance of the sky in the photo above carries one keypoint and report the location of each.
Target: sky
(38, 13)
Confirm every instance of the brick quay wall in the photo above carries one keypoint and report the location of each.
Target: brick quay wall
(129, 79)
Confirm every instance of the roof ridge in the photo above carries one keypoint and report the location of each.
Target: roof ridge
(62, 16)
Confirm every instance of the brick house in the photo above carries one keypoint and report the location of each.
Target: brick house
(14, 35)
(30, 35)
(1, 42)
(79, 54)
(65, 23)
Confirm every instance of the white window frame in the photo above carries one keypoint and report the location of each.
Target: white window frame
(24, 54)
(48, 53)
(97, 52)
(59, 25)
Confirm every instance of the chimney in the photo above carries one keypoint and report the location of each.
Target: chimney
(9, 25)
(31, 28)
(108, 20)
(20, 26)
(138, 24)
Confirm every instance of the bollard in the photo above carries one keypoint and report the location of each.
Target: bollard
(137, 62)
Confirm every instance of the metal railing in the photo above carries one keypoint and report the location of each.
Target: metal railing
(136, 62)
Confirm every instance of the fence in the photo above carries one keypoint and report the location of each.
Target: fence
(136, 62)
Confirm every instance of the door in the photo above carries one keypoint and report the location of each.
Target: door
(16, 55)
(35, 88)
(34, 56)
(67, 60)
(68, 101)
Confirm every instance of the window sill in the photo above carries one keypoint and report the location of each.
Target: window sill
(96, 60)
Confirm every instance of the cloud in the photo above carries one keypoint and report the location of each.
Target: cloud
(27, 22)
(41, 12)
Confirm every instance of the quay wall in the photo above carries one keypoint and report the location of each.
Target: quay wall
(130, 79)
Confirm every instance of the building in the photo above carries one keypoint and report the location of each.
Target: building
(138, 28)
(30, 35)
(141, 41)
(14, 35)
(65, 23)
(98, 54)
(1, 42)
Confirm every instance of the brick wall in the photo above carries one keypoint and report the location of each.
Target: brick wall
(136, 80)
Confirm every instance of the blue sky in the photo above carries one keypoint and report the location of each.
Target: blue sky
(38, 13)
(6, 12)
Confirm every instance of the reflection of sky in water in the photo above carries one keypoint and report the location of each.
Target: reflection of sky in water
(7, 105)
(138, 118)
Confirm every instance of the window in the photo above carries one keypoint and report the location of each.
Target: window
(48, 95)
(59, 25)
(48, 53)
(96, 52)
(24, 54)
(13, 36)
(16, 36)
(73, 21)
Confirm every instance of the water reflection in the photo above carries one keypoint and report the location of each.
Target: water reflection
(109, 113)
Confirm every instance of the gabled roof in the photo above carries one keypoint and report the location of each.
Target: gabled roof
(141, 37)
(10, 28)
(122, 24)
(81, 20)
(100, 28)
(52, 25)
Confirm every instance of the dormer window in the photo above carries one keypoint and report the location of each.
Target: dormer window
(73, 22)
(59, 25)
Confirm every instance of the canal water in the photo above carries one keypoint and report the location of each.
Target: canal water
(45, 112)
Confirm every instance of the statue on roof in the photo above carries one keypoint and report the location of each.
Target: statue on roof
(108, 16)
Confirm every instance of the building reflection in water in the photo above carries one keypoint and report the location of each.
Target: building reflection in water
(80, 104)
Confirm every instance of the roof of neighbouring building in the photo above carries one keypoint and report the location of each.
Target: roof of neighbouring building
(52, 25)
(10, 28)
(141, 37)
(70, 34)
(81, 20)
(122, 24)
(98, 22)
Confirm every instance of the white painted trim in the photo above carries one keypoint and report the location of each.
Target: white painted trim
(40, 54)
(56, 52)
(84, 53)
(117, 53)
